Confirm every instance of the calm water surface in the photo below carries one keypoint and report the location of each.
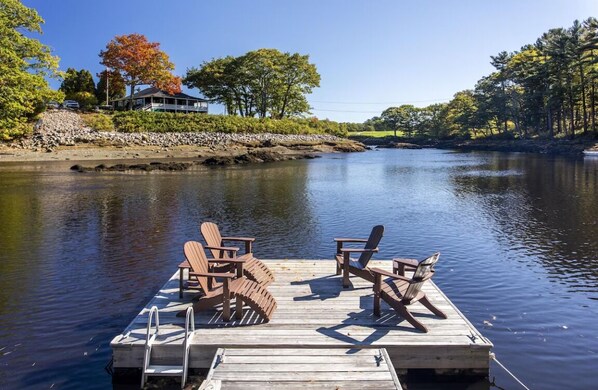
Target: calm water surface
(80, 254)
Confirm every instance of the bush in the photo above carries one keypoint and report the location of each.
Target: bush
(100, 122)
(163, 122)
(86, 100)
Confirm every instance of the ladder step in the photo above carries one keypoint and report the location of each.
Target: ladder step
(164, 370)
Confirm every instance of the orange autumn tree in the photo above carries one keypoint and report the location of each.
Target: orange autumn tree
(140, 62)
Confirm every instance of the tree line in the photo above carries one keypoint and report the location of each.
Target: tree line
(548, 88)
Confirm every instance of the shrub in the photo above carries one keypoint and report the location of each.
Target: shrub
(162, 122)
(86, 100)
(100, 122)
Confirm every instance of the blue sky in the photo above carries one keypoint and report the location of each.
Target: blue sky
(370, 54)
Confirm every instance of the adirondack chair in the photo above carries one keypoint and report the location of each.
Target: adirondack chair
(243, 290)
(400, 291)
(253, 268)
(359, 267)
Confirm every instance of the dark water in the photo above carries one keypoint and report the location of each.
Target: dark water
(80, 254)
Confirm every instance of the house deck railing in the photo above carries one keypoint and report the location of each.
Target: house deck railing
(201, 107)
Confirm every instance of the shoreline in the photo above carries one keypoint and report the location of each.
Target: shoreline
(563, 147)
(81, 153)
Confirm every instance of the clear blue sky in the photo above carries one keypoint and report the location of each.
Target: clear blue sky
(371, 54)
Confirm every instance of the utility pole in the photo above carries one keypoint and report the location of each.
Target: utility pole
(107, 78)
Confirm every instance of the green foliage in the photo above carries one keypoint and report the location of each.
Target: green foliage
(86, 100)
(162, 122)
(264, 82)
(24, 66)
(75, 82)
(100, 122)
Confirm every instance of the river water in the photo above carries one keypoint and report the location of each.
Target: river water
(80, 254)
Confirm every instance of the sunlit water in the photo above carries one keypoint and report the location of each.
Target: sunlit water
(80, 254)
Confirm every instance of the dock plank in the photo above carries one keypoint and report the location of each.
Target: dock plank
(295, 368)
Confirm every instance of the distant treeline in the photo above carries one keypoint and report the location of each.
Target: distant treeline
(548, 88)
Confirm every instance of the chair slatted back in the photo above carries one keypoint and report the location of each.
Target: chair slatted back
(195, 255)
(423, 272)
(211, 234)
(373, 241)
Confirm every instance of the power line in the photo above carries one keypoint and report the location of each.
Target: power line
(395, 102)
(351, 111)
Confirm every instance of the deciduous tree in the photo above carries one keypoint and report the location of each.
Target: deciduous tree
(264, 82)
(25, 64)
(140, 62)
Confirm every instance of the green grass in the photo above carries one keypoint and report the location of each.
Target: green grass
(377, 134)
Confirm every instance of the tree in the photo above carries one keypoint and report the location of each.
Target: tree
(24, 66)
(77, 81)
(140, 63)
(264, 82)
(79, 86)
(405, 118)
(115, 84)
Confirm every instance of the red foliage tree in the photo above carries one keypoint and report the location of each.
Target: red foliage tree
(140, 62)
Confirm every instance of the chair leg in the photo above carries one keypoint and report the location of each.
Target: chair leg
(346, 261)
(426, 302)
(338, 268)
(376, 304)
(404, 312)
(239, 308)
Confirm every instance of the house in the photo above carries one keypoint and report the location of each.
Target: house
(154, 99)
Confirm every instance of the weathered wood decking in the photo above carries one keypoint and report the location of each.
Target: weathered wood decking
(314, 312)
(291, 369)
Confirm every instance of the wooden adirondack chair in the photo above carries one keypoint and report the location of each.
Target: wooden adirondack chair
(243, 290)
(253, 268)
(399, 291)
(359, 267)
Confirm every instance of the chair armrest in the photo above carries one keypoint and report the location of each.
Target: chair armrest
(351, 240)
(223, 248)
(389, 274)
(246, 239)
(358, 250)
(231, 261)
(184, 264)
(412, 263)
(213, 275)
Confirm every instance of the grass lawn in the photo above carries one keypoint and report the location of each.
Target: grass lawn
(376, 134)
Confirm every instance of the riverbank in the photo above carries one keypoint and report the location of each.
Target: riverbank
(574, 147)
(62, 136)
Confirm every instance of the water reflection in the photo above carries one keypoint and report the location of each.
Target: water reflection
(81, 253)
(547, 209)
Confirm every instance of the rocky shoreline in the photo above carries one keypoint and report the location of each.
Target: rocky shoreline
(573, 147)
(61, 135)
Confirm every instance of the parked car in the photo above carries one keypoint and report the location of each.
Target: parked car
(52, 104)
(70, 104)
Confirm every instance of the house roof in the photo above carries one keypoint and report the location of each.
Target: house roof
(155, 92)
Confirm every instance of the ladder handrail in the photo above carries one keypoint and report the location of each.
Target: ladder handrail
(149, 341)
(153, 310)
(189, 319)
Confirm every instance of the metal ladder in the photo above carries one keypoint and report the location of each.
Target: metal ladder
(166, 370)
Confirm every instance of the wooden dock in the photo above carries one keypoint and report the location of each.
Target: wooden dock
(314, 312)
